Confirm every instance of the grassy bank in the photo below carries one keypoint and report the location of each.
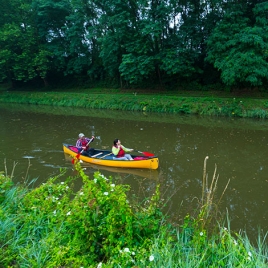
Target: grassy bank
(98, 226)
(199, 103)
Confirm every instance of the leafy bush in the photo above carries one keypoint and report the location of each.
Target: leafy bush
(57, 227)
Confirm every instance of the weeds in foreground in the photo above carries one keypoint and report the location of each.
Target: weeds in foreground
(53, 226)
(208, 206)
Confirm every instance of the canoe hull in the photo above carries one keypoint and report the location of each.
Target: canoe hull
(150, 162)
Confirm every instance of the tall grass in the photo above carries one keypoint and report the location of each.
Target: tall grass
(198, 243)
(175, 104)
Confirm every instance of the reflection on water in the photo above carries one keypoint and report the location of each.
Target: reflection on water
(144, 173)
(239, 147)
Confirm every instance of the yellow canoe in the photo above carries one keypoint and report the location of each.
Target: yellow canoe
(106, 158)
(152, 174)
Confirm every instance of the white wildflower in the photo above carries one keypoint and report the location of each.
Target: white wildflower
(201, 233)
(133, 253)
(112, 185)
(101, 175)
(68, 213)
(54, 212)
(249, 254)
(99, 265)
(62, 182)
(81, 193)
(95, 180)
(126, 250)
(59, 203)
(105, 193)
(67, 187)
(235, 243)
(151, 258)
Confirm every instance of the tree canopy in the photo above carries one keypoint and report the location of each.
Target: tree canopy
(165, 43)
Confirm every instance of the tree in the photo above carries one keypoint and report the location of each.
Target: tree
(238, 46)
(22, 57)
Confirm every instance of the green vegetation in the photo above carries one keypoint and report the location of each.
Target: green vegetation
(101, 226)
(160, 103)
(131, 44)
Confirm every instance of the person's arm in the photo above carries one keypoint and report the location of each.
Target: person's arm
(115, 150)
(127, 150)
(88, 139)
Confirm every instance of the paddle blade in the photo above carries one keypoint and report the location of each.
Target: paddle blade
(75, 160)
(148, 154)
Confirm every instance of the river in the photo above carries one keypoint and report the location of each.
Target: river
(32, 136)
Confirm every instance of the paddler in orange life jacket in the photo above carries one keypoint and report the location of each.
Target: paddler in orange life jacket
(82, 144)
(120, 151)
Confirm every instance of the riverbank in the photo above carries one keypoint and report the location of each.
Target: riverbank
(190, 102)
(98, 226)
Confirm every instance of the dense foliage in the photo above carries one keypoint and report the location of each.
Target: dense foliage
(97, 226)
(58, 227)
(163, 43)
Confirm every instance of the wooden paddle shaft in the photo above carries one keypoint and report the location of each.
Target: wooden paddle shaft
(86, 145)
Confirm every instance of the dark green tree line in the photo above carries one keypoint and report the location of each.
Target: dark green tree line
(127, 42)
(238, 46)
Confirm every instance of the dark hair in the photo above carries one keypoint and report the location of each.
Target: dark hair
(116, 141)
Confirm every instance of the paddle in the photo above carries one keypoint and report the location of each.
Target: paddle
(145, 153)
(78, 155)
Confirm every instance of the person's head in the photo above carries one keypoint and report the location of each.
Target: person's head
(81, 135)
(116, 142)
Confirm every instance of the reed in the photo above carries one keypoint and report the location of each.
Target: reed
(221, 250)
(12, 170)
(208, 205)
(203, 242)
